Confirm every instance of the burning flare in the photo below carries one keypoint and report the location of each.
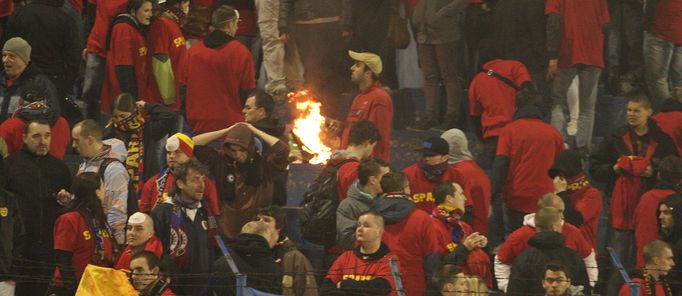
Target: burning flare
(308, 127)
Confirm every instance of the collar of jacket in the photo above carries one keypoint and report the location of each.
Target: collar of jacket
(30, 72)
(217, 38)
(383, 250)
(528, 112)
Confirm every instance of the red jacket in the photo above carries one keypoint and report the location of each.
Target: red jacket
(165, 38)
(517, 242)
(646, 222)
(12, 131)
(127, 47)
(532, 146)
(422, 189)
(477, 261)
(410, 234)
(375, 105)
(104, 14)
(217, 75)
(667, 22)
(153, 245)
(476, 186)
(671, 124)
(588, 201)
(149, 197)
(494, 100)
(351, 266)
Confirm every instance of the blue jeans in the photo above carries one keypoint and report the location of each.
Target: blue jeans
(662, 63)
(588, 78)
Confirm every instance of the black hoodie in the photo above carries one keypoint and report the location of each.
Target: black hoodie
(254, 258)
(53, 37)
(674, 238)
(528, 268)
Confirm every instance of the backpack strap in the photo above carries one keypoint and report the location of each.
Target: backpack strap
(103, 166)
(499, 77)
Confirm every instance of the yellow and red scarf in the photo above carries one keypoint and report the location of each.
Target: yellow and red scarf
(132, 128)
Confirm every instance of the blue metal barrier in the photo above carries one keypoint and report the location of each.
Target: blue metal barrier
(396, 276)
(634, 287)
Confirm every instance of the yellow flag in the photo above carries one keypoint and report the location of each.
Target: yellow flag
(102, 281)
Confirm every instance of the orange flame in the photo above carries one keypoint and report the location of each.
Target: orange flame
(308, 126)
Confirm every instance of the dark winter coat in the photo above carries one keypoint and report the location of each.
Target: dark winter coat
(34, 181)
(9, 95)
(298, 273)
(12, 235)
(528, 268)
(519, 30)
(674, 238)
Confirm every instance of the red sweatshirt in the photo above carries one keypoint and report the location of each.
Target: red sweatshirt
(422, 189)
(476, 186)
(150, 194)
(375, 105)
(350, 266)
(646, 222)
(477, 262)
(588, 201)
(671, 124)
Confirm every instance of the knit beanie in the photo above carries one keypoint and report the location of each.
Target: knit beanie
(20, 47)
(182, 142)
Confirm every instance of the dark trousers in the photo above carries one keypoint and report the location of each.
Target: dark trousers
(439, 65)
(625, 35)
(513, 220)
(325, 62)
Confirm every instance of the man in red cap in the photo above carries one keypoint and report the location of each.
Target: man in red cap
(372, 103)
(244, 172)
(179, 149)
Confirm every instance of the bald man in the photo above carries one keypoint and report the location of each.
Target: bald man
(139, 237)
(518, 242)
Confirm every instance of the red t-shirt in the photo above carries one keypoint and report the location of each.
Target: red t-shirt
(625, 289)
(127, 48)
(165, 38)
(12, 131)
(518, 242)
(582, 39)
(347, 174)
(150, 193)
(494, 100)
(349, 266)
(667, 23)
(671, 124)
(645, 220)
(532, 146)
(412, 239)
(153, 245)
(476, 186)
(104, 14)
(215, 79)
(72, 234)
(375, 105)
(421, 189)
(588, 202)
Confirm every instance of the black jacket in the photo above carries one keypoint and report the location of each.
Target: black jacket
(9, 95)
(545, 247)
(301, 10)
(12, 235)
(53, 37)
(253, 257)
(34, 180)
(613, 147)
(519, 30)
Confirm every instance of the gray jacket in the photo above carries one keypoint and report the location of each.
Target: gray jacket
(347, 215)
(439, 21)
(302, 10)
